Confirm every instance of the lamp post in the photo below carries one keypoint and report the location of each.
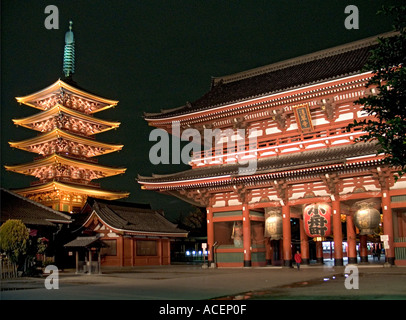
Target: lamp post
(204, 247)
(213, 264)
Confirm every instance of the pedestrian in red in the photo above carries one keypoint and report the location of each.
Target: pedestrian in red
(298, 259)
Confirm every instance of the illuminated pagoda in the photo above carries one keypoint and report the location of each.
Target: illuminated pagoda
(283, 159)
(66, 142)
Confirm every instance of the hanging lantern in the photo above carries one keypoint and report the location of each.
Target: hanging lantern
(273, 223)
(317, 220)
(367, 217)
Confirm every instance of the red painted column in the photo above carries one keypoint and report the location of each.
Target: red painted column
(338, 234)
(388, 227)
(319, 252)
(287, 237)
(268, 251)
(363, 250)
(210, 236)
(351, 241)
(246, 229)
(304, 244)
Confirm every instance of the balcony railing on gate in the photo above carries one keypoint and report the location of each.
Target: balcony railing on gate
(265, 146)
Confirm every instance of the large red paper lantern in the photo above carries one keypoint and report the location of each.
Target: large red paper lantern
(317, 220)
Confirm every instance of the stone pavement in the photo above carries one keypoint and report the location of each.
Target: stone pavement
(191, 282)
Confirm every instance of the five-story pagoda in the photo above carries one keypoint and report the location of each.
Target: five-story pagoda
(66, 145)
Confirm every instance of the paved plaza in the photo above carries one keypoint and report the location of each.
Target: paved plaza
(191, 282)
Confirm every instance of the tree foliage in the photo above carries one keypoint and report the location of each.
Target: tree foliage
(388, 103)
(195, 222)
(14, 239)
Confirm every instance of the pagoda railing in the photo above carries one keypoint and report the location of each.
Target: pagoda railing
(276, 144)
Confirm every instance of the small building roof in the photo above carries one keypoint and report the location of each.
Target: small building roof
(85, 242)
(14, 206)
(132, 218)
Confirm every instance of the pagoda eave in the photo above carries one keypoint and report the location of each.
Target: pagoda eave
(56, 134)
(27, 168)
(58, 109)
(30, 99)
(73, 189)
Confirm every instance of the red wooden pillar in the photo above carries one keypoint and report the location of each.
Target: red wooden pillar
(210, 236)
(287, 238)
(351, 241)
(363, 250)
(268, 251)
(338, 234)
(160, 251)
(246, 229)
(132, 251)
(304, 244)
(388, 226)
(319, 252)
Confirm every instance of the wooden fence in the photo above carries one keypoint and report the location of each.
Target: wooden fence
(8, 269)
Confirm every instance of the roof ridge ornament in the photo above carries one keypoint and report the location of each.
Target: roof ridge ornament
(69, 53)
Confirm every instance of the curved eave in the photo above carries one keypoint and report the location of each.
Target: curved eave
(57, 133)
(55, 158)
(226, 108)
(29, 99)
(91, 192)
(148, 183)
(59, 108)
(134, 232)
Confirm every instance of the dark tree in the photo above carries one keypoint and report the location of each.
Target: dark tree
(388, 103)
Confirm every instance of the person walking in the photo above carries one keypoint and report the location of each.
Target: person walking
(298, 259)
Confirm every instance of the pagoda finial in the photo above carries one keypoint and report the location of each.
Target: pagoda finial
(69, 53)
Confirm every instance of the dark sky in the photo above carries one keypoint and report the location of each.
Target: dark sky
(152, 55)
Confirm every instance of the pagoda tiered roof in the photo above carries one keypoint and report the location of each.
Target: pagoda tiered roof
(66, 142)
(60, 90)
(99, 147)
(79, 189)
(58, 109)
(57, 159)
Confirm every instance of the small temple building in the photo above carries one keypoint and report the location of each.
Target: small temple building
(282, 154)
(121, 234)
(66, 146)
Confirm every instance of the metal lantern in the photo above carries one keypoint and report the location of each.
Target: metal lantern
(273, 223)
(317, 220)
(367, 217)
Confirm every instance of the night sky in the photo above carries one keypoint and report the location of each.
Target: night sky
(153, 55)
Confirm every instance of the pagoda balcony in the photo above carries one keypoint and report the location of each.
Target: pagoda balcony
(275, 145)
(79, 182)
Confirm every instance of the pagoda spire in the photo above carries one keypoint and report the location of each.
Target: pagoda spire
(69, 53)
